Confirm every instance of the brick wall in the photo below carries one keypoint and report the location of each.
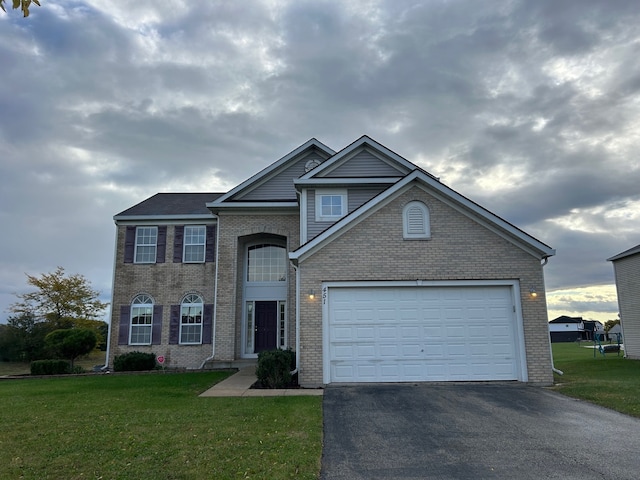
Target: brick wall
(166, 283)
(235, 230)
(459, 249)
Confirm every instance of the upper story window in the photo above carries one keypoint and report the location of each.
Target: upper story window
(415, 220)
(141, 320)
(267, 263)
(146, 244)
(194, 243)
(191, 319)
(330, 205)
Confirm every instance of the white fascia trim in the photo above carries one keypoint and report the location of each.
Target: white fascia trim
(274, 166)
(163, 218)
(260, 205)
(452, 198)
(515, 292)
(364, 140)
(345, 181)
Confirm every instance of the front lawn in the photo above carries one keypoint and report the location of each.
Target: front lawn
(153, 426)
(611, 381)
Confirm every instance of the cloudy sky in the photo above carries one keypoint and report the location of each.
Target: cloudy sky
(532, 109)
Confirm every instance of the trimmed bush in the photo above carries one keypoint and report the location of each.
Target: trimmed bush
(134, 362)
(274, 368)
(50, 367)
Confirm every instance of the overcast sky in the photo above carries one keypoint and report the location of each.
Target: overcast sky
(529, 108)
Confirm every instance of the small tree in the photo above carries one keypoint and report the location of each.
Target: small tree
(71, 343)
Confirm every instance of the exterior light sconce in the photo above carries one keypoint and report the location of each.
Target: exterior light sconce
(533, 293)
(312, 294)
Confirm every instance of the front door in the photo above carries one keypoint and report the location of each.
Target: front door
(266, 326)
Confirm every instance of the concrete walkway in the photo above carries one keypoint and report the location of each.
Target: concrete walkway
(239, 385)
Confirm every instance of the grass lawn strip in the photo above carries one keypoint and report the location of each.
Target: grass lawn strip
(153, 426)
(610, 381)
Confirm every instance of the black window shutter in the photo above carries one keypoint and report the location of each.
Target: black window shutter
(123, 328)
(178, 237)
(210, 254)
(207, 323)
(156, 325)
(162, 244)
(129, 244)
(174, 324)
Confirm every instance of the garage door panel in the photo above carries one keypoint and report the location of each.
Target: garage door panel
(422, 334)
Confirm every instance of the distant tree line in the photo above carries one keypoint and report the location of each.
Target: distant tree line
(57, 320)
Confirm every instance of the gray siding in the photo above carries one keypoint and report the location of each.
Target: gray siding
(281, 186)
(627, 272)
(356, 197)
(365, 164)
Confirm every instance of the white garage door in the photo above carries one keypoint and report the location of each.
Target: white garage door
(399, 334)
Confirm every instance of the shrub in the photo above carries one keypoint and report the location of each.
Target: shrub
(134, 361)
(50, 367)
(274, 368)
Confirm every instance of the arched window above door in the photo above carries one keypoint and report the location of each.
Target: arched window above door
(267, 262)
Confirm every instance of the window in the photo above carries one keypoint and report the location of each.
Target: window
(141, 320)
(330, 205)
(267, 263)
(191, 320)
(146, 244)
(194, 243)
(415, 220)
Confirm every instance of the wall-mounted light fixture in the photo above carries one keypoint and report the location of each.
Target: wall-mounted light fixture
(533, 293)
(312, 294)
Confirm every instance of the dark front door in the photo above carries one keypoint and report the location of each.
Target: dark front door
(266, 326)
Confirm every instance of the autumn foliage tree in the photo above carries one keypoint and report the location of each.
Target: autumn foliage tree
(60, 299)
(21, 4)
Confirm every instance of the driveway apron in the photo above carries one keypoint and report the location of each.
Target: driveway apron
(473, 431)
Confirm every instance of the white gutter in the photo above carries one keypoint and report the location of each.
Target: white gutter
(553, 368)
(297, 320)
(113, 289)
(215, 296)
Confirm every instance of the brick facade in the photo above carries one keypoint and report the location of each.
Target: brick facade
(235, 230)
(459, 249)
(167, 283)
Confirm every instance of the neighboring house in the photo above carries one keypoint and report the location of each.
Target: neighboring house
(626, 266)
(615, 333)
(367, 266)
(567, 329)
(593, 328)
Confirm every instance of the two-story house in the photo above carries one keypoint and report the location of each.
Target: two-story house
(367, 266)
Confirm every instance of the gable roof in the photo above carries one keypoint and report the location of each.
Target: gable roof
(399, 164)
(444, 194)
(565, 319)
(170, 205)
(233, 197)
(626, 253)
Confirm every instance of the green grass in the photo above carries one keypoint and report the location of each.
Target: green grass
(611, 381)
(153, 426)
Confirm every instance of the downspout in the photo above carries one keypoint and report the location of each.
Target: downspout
(215, 297)
(113, 289)
(553, 368)
(295, 267)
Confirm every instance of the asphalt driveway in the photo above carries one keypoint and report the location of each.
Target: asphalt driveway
(478, 431)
